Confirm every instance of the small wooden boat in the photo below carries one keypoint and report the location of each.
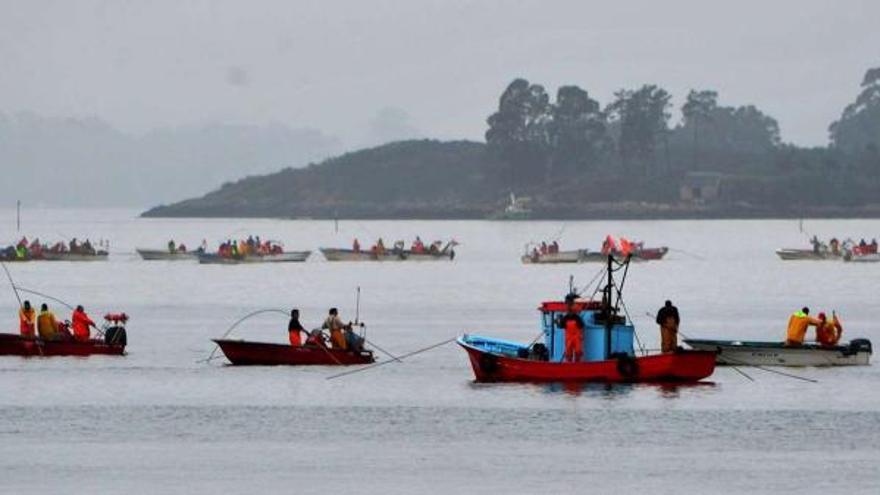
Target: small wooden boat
(553, 258)
(16, 345)
(748, 353)
(447, 253)
(69, 256)
(288, 257)
(166, 255)
(243, 353)
(608, 352)
(805, 254)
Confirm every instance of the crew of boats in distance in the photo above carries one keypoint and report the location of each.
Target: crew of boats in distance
(549, 253)
(835, 249)
(74, 250)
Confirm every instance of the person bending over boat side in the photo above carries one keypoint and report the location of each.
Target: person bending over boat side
(828, 332)
(294, 327)
(27, 317)
(334, 325)
(573, 325)
(668, 320)
(47, 325)
(797, 326)
(81, 322)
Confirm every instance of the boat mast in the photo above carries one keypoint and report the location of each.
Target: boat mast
(608, 305)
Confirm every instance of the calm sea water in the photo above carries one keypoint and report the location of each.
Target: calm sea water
(158, 421)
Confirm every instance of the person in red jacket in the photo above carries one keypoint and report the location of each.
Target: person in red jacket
(81, 322)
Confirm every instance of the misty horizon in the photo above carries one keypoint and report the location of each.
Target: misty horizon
(336, 67)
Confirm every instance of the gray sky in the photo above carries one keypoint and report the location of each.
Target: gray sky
(335, 65)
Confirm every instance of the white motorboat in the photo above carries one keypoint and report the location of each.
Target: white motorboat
(750, 353)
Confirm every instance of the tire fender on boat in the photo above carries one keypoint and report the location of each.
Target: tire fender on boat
(488, 363)
(627, 366)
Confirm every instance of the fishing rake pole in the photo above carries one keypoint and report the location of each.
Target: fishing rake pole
(238, 322)
(376, 365)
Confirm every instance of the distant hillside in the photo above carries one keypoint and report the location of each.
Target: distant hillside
(576, 158)
(414, 179)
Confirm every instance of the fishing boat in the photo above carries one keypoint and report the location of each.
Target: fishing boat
(749, 353)
(640, 254)
(446, 253)
(16, 345)
(112, 342)
(806, 254)
(166, 255)
(516, 209)
(608, 355)
(287, 257)
(536, 257)
(245, 353)
(74, 256)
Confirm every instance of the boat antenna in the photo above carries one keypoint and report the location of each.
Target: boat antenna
(357, 306)
(14, 288)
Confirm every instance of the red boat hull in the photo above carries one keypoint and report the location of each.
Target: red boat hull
(243, 353)
(16, 345)
(679, 367)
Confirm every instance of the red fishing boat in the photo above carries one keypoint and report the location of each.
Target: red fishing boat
(608, 354)
(242, 352)
(16, 345)
(112, 341)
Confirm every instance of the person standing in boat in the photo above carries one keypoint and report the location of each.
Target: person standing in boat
(294, 327)
(27, 318)
(356, 246)
(47, 325)
(573, 325)
(668, 320)
(333, 323)
(81, 323)
(797, 326)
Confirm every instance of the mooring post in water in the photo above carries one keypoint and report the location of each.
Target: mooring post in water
(18, 215)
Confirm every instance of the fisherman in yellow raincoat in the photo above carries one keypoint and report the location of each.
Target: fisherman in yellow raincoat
(797, 326)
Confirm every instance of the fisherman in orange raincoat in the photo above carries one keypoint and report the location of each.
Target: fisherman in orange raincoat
(573, 325)
(797, 327)
(81, 322)
(27, 317)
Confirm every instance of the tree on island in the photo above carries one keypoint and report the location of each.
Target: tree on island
(857, 132)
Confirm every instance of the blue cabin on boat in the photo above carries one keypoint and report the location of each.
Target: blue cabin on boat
(603, 339)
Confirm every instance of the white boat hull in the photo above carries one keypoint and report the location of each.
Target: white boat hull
(290, 257)
(68, 256)
(805, 254)
(552, 258)
(776, 354)
(165, 255)
(336, 254)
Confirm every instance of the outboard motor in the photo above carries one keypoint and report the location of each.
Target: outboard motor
(540, 352)
(860, 345)
(116, 335)
(114, 331)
